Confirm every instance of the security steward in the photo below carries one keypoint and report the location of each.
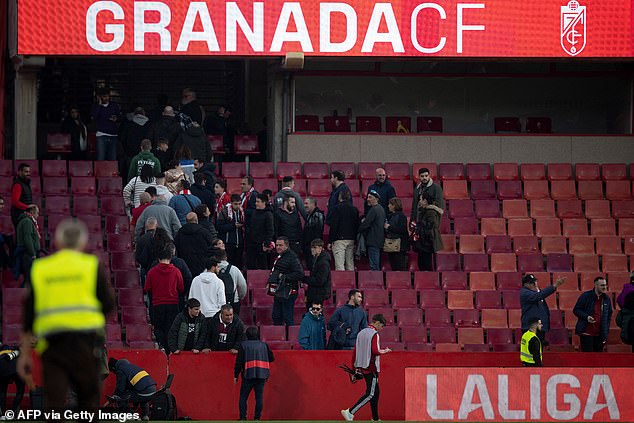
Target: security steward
(531, 345)
(133, 385)
(65, 309)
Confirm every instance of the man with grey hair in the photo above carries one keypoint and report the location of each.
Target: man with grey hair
(70, 322)
(164, 214)
(313, 229)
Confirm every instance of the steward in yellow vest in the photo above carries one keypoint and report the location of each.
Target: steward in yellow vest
(65, 309)
(530, 345)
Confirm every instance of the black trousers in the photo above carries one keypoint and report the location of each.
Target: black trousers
(164, 316)
(19, 391)
(245, 390)
(398, 261)
(591, 343)
(234, 255)
(426, 262)
(72, 361)
(371, 395)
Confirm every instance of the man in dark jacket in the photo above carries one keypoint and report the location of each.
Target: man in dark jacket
(133, 131)
(199, 189)
(248, 198)
(252, 362)
(312, 331)
(347, 321)
(21, 196)
(133, 385)
(193, 244)
(230, 224)
(426, 184)
(288, 190)
(259, 242)
(225, 331)
(372, 227)
(289, 224)
(319, 281)
(106, 115)
(187, 330)
(287, 263)
(594, 313)
(191, 106)
(533, 302)
(167, 127)
(383, 187)
(313, 228)
(344, 226)
(195, 139)
(75, 127)
(337, 179)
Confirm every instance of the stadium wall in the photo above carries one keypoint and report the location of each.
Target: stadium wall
(308, 385)
(354, 147)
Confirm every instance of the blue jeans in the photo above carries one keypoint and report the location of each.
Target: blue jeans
(283, 310)
(106, 147)
(374, 255)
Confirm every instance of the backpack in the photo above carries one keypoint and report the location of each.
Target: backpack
(163, 403)
(230, 286)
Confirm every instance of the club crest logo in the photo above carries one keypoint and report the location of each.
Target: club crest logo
(573, 28)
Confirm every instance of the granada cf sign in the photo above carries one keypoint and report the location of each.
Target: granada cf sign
(519, 394)
(407, 28)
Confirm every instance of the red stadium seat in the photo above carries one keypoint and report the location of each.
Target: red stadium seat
(122, 261)
(6, 168)
(575, 227)
(547, 226)
(375, 297)
(267, 183)
(559, 171)
(411, 317)
(461, 299)
(414, 334)
(133, 314)
(453, 280)
(482, 281)
(429, 124)
(447, 262)
(110, 187)
(567, 209)
(342, 279)
(433, 170)
(404, 298)
(83, 186)
(614, 172)
(515, 318)
(511, 299)
(80, 168)
(261, 170)
(532, 172)
(466, 318)
(530, 263)
(559, 263)
(336, 124)
(470, 336)
(536, 190)
(525, 245)
(119, 242)
(505, 171)
(130, 297)
(112, 206)
(348, 169)
(590, 190)
(558, 337)
(509, 190)
(487, 208)
(127, 279)
(106, 169)
(398, 171)
(499, 336)
(488, 299)
(465, 226)
(370, 279)
(602, 227)
(483, 190)
(437, 317)
(586, 263)
(233, 170)
(307, 123)
(493, 226)
(217, 144)
(442, 335)
(471, 244)
(455, 190)
(538, 125)
(476, 263)
(398, 280)
(512, 209)
(55, 186)
(449, 243)
(597, 209)
(367, 170)
(431, 298)
(572, 281)
(494, 318)
(622, 209)
(113, 336)
(587, 172)
(272, 333)
(246, 145)
(368, 124)
(426, 280)
(319, 187)
(618, 190)
(57, 205)
(404, 190)
(503, 262)
(507, 124)
(293, 169)
(478, 171)
(314, 170)
(609, 245)
(450, 171)
(392, 123)
(626, 227)
(54, 168)
(581, 244)
(139, 337)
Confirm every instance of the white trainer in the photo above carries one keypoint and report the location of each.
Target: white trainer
(347, 415)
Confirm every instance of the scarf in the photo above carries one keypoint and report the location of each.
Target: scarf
(245, 198)
(185, 192)
(236, 217)
(37, 228)
(222, 201)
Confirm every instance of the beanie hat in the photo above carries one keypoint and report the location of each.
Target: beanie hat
(374, 194)
(530, 278)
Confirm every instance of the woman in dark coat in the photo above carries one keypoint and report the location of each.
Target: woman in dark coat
(396, 228)
(74, 126)
(427, 234)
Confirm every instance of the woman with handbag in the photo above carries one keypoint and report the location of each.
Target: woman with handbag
(396, 235)
(427, 238)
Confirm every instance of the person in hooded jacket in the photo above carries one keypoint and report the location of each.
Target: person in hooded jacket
(209, 289)
(133, 131)
(199, 189)
(319, 281)
(312, 331)
(195, 139)
(259, 243)
(144, 158)
(187, 330)
(193, 244)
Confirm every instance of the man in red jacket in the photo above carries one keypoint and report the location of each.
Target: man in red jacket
(366, 358)
(165, 282)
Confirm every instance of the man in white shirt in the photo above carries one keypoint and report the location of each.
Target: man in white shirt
(209, 289)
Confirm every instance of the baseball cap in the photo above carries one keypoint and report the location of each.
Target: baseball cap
(530, 278)
(375, 194)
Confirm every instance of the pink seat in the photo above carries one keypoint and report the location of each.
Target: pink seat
(498, 244)
(370, 279)
(476, 263)
(104, 169)
(80, 168)
(392, 123)
(466, 318)
(429, 124)
(509, 190)
(410, 317)
(426, 280)
(368, 124)
(307, 123)
(314, 170)
(272, 333)
(261, 170)
(54, 168)
(336, 124)
(487, 208)
(85, 206)
(483, 190)
(449, 171)
(57, 205)
(567, 209)
(110, 186)
(532, 171)
(559, 263)
(398, 280)
(399, 171)
(293, 169)
(614, 172)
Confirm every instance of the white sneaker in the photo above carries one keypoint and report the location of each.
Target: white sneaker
(347, 415)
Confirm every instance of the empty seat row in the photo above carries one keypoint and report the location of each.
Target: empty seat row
(56, 168)
(394, 124)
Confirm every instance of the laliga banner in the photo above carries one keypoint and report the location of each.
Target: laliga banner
(536, 394)
(406, 28)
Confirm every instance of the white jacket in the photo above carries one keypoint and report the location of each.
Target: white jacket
(210, 291)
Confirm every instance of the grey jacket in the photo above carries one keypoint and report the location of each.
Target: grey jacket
(165, 215)
(372, 227)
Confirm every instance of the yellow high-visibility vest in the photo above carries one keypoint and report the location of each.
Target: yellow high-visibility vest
(525, 355)
(65, 292)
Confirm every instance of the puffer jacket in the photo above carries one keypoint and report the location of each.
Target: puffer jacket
(177, 335)
(288, 264)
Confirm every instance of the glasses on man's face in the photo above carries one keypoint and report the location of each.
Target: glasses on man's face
(315, 308)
